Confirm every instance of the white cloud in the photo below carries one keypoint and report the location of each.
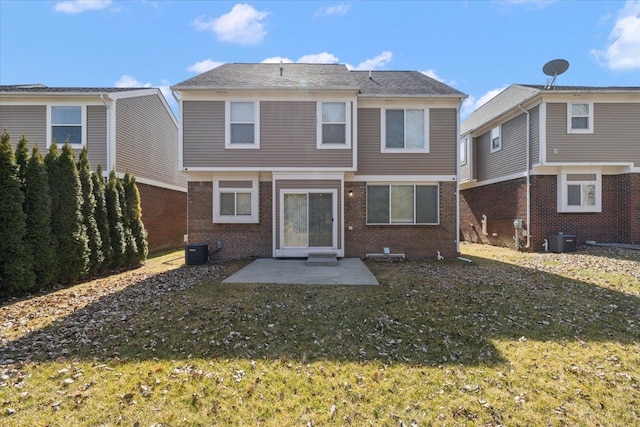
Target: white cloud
(243, 25)
(538, 4)
(277, 60)
(339, 9)
(471, 104)
(205, 65)
(78, 6)
(129, 81)
(319, 58)
(623, 51)
(374, 63)
(432, 73)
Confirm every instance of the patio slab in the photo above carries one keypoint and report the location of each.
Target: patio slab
(349, 271)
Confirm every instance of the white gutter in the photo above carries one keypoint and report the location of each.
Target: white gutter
(528, 145)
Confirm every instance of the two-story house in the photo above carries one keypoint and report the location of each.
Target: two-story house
(562, 159)
(284, 160)
(124, 129)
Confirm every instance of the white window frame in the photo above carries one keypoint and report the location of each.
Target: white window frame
(496, 132)
(563, 191)
(464, 150)
(414, 184)
(570, 115)
(227, 126)
(83, 124)
(383, 131)
(347, 127)
(255, 201)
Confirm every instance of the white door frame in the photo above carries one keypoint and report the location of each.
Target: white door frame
(304, 251)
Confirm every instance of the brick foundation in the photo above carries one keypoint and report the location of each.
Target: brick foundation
(238, 240)
(415, 241)
(164, 214)
(502, 202)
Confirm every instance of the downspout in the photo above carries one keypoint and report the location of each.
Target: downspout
(458, 177)
(108, 107)
(528, 145)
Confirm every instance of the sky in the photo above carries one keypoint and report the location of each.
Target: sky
(477, 47)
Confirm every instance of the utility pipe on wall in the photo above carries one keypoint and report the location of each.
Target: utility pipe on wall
(528, 161)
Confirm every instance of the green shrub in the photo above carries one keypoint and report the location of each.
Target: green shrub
(116, 227)
(102, 220)
(96, 257)
(16, 273)
(134, 216)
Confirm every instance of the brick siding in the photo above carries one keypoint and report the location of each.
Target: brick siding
(415, 241)
(502, 202)
(164, 214)
(238, 240)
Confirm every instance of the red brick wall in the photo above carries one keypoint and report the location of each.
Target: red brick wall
(502, 202)
(164, 214)
(415, 241)
(238, 240)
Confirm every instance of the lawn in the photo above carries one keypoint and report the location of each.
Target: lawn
(510, 339)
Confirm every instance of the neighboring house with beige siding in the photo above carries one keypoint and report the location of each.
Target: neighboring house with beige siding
(564, 159)
(124, 129)
(284, 160)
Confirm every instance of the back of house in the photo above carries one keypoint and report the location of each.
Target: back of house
(284, 160)
(561, 160)
(124, 129)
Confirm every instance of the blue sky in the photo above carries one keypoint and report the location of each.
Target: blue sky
(478, 47)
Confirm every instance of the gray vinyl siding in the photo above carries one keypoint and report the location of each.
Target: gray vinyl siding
(287, 138)
(534, 121)
(464, 172)
(30, 120)
(441, 159)
(327, 184)
(147, 140)
(97, 136)
(465, 169)
(616, 136)
(235, 184)
(511, 158)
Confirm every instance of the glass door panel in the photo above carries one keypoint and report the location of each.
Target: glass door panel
(320, 219)
(295, 220)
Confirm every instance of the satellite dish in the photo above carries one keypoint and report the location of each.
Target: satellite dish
(554, 68)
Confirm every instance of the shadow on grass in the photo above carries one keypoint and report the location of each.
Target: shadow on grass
(424, 313)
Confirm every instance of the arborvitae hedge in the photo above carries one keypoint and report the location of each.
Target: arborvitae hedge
(66, 221)
(37, 207)
(102, 220)
(116, 228)
(59, 222)
(134, 216)
(96, 257)
(16, 272)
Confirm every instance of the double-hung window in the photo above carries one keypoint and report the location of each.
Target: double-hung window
(235, 201)
(579, 192)
(463, 150)
(334, 124)
(67, 124)
(402, 204)
(580, 117)
(242, 125)
(405, 130)
(496, 139)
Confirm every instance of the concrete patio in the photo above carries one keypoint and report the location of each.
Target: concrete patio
(349, 271)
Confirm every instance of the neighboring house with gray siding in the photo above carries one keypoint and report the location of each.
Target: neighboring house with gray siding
(284, 160)
(124, 129)
(562, 159)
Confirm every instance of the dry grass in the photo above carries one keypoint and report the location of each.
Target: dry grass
(512, 339)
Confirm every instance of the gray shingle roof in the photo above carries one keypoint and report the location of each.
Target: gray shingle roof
(515, 94)
(267, 76)
(403, 83)
(38, 88)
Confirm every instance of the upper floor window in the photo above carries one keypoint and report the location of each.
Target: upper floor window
(405, 130)
(242, 127)
(496, 139)
(463, 150)
(67, 123)
(580, 117)
(334, 120)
